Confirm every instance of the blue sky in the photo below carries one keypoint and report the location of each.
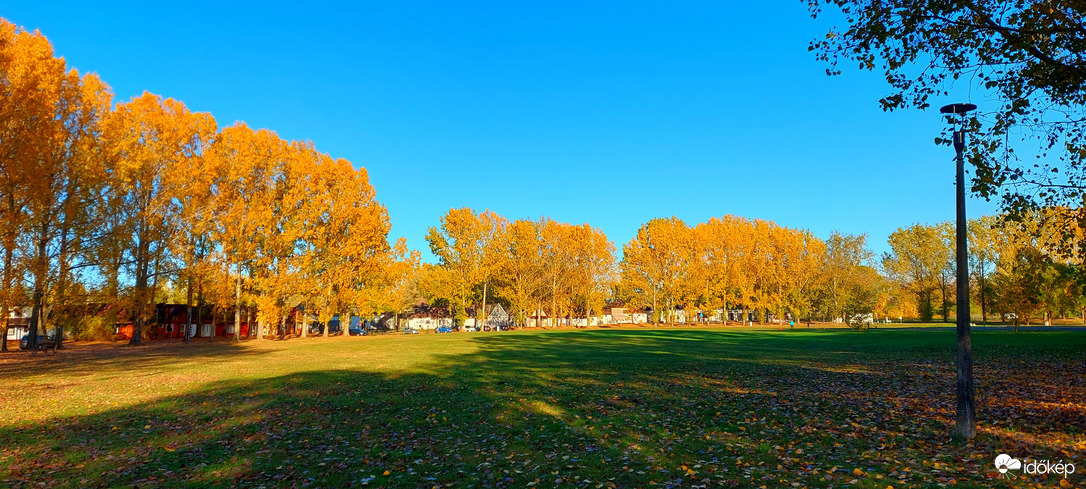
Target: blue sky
(605, 114)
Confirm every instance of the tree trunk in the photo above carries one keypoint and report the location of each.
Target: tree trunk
(4, 328)
(482, 313)
(983, 298)
(60, 296)
(59, 338)
(137, 332)
(305, 323)
(35, 319)
(10, 237)
(554, 303)
(154, 303)
(655, 313)
(946, 303)
(249, 308)
(328, 324)
(38, 297)
(237, 304)
(199, 307)
(5, 297)
(141, 292)
(188, 310)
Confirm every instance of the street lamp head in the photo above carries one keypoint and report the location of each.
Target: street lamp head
(957, 109)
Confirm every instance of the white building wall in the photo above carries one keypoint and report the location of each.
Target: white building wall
(429, 323)
(17, 332)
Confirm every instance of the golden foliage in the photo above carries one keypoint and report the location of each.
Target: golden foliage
(148, 189)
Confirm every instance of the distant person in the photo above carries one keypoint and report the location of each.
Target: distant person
(792, 324)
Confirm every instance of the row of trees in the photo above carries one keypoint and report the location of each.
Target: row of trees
(728, 262)
(108, 203)
(752, 264)
(562, 270)
(1016, 267)
(532, 266)
(747, 264)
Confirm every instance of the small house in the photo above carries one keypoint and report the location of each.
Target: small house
(426, 317)
(538, 319)
(496, 316)
(18, 323)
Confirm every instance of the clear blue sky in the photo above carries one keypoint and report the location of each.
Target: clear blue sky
(605, 114)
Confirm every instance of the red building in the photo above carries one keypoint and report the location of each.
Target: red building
(170, 320)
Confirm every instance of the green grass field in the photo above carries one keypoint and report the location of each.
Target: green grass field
(668, 407)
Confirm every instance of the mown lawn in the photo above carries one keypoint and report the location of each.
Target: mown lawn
(723, 407)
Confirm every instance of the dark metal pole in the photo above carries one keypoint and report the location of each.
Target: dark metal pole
(966, 425)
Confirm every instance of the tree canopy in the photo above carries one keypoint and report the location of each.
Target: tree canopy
(1026, 59)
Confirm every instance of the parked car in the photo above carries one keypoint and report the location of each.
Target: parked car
(443, 329)
(356, 330)
(44, 342)
(410, 330)
(470, 329)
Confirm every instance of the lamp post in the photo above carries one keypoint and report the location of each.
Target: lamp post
(966, 422)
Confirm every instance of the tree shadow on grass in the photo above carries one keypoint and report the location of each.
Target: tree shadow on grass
(80, 358)
(571, 409)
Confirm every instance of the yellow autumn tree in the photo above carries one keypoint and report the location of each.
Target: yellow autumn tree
(556, 251)
(463, 245)
(917, 259)
(59, 112)
(247, 162)
(191, 187)
(719, 246)
(149, 138)
(353, 264)
(800, 257)
(593, 268)
(27, 63)
(656, 262)
(404, 278)
(521, 268)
